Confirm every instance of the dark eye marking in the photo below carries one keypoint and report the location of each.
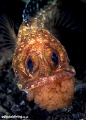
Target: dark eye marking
(30, 64)
(55, 59)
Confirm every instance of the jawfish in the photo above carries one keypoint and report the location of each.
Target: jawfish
(41, 62)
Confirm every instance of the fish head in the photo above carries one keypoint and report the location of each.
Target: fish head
(40, 59)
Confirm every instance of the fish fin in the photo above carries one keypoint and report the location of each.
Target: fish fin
(84, 1)
(25, 1)
(68, 21)
(43, 15)
(7, 33)
(31, 8)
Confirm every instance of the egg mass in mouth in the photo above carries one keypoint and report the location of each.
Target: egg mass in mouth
(41, 61)
(44, 71)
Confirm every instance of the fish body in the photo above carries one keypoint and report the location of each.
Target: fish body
(41, 62)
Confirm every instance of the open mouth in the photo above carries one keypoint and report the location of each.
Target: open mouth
(59, 76)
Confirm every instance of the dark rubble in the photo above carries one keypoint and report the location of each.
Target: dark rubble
(14, 102)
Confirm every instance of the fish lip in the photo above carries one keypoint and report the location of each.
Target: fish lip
(59, 76)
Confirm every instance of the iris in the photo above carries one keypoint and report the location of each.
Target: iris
(55, 59)
(30, 64)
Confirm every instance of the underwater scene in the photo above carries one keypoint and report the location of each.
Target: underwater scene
(42, 60)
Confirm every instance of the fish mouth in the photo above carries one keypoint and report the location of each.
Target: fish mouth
(59, 76)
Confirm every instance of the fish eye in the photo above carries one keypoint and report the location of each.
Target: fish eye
(55, 59)
(30, 64)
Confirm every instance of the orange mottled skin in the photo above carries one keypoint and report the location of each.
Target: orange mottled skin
(51, 87)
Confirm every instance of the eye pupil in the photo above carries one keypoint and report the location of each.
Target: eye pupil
(30, 65)
(54, 58)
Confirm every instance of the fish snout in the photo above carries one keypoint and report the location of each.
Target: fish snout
(44, 69)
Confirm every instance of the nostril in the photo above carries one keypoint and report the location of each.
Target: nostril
(44, 69)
